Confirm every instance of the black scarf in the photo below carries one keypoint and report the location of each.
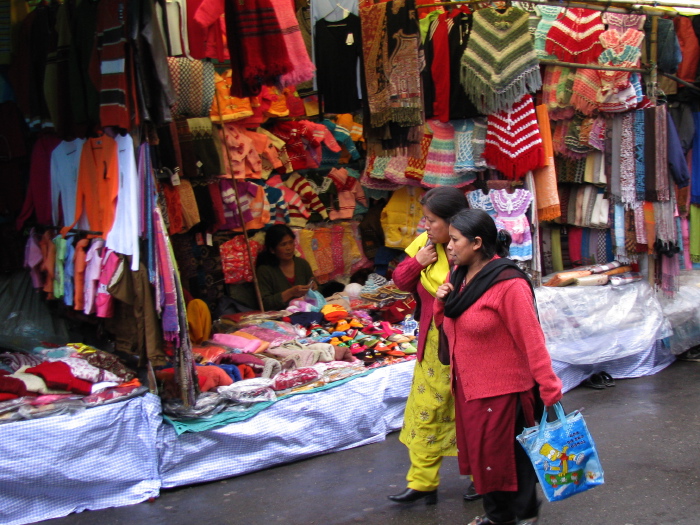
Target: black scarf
(494, 272)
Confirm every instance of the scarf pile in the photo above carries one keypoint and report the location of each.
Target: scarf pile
(500, 64)
(639, 226)
(627, 169)
(619, 232)
(575, 37)
(256, 44)
(639, 163)
(495, 271)
(661, 130)
(513, 140)
(548, 206)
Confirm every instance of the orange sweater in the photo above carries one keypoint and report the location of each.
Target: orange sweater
(98, 184)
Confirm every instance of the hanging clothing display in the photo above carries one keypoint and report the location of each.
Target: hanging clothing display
(513, 141)
(575, 36)
(491, 75)
(338, 49)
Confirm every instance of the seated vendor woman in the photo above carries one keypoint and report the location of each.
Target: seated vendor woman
(282, 276)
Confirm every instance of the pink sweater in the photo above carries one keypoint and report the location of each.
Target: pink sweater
(498, 346)
(407, 277)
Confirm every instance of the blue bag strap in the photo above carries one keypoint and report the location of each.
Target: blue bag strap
(559, 410)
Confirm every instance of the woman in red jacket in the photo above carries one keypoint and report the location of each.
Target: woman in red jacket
(501, 366)
(429, 425)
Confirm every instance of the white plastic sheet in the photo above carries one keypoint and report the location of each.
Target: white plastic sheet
(683, 312)
(593, 324)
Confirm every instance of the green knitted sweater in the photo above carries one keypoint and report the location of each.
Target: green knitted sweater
(500, 64)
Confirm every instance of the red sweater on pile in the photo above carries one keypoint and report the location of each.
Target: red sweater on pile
(497, 345)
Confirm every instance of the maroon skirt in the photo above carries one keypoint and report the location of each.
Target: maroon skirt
(486, 437)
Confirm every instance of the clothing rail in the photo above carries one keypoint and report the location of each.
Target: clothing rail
(42, 227)
(595, 6)
(574, 65)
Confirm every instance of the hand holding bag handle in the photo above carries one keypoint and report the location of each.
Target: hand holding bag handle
(561, 416)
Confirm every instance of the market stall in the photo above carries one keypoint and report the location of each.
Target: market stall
(142, 203)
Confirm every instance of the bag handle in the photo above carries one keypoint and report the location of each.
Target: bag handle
(561, 415)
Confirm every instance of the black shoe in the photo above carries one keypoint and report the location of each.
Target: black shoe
(471, 494)
(411, 495)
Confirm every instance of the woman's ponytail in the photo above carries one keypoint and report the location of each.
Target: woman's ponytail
(503, 240)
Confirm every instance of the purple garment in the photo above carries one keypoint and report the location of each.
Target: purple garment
(33, 259)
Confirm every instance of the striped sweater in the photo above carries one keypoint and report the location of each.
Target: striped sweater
(499, 65)
(114, 85)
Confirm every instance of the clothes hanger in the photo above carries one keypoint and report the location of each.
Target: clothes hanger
(346, 11)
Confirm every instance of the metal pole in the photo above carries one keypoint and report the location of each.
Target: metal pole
(251, 259)
(573, 65)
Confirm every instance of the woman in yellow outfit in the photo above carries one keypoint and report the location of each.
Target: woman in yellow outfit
(429, 420)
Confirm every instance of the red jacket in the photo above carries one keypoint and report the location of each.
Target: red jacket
(407, 277)
(497, 345)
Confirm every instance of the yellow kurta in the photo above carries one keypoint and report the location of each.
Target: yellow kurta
(429, 419)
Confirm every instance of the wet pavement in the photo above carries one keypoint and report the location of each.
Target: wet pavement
(648, 436)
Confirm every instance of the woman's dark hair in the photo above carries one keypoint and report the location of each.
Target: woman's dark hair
(478, 223)
(444, 201)
(273, 236)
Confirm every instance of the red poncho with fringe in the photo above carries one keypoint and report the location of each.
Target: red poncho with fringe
(575, 36)
(513, 141)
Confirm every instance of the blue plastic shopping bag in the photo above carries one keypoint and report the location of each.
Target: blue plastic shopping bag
(563, 454)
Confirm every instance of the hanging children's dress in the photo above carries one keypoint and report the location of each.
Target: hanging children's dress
(478, 200)
(511, 209)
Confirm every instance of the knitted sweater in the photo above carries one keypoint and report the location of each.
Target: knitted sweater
(498, 346)
(575, 37)
(439, 165)
(513, 140)
(499, 65)
(549, 14)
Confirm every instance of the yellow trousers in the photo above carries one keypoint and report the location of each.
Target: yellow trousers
(424, 473)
